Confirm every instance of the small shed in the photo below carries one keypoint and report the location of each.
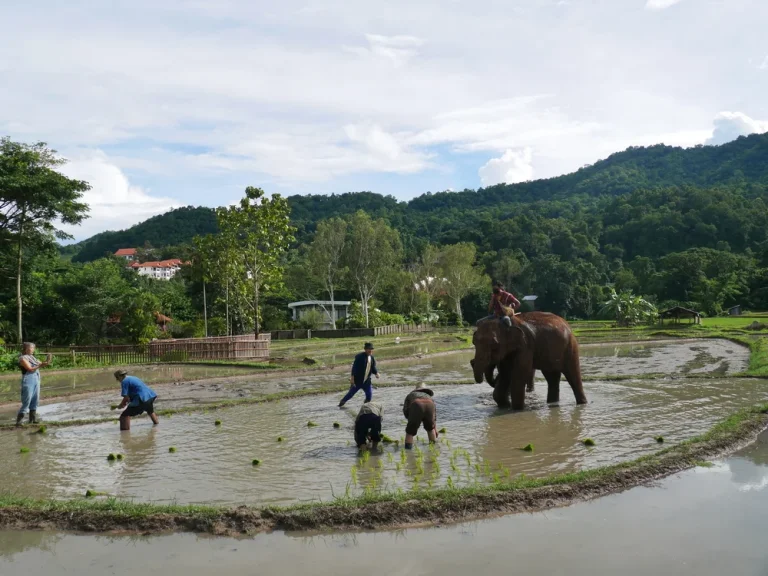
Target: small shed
(735, 310)
(530, 300)
(300, 309)
(678, 312)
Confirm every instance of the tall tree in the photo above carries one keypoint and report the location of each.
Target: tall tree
(325, 257)
(33, 197)
(428, 272)
(457, 265)
(260, 228)
(373, 249)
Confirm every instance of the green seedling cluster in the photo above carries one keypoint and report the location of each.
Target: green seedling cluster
(111, 457)
(42, 430)
(113, 407)
(23, 450)
(659, 439)
(387, 440)
(442, 431)
(90, 493)
(255, 462)
(311, 424)
(336, 425)
(172, 449)
(588, 442)
(217, 423)
(119, 456)
(279, 438)
(528, 448)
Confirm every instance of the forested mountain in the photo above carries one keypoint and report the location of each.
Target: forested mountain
(176, 227)
(739, 167)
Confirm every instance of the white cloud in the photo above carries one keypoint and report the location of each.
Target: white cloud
(660, 4)
(514, 166)
(731, 125)
(113, 201)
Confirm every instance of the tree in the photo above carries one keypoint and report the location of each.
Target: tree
(628, 309)
(325, 257)
(260, 228)
(33, 196)
(373, 249)
(457, 266)
(429, 274)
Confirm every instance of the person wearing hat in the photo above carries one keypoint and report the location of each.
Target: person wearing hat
(137, 396)
(362, 368)
(368, 425)
(419, 409)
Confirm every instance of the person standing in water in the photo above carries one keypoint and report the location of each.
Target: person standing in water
(362, 368)
(30, 382)
(368, 425)
(419, 409)
(137, 396)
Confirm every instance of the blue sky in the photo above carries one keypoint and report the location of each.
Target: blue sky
(166, 103)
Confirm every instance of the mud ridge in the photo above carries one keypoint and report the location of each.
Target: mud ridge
(391, 510)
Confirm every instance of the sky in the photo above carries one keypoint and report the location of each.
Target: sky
(166, 103)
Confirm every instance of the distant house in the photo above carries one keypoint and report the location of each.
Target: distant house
(735, 310)
(530, 300)
(162, 270)
(301, 309)
(127, 253)
(678, 312)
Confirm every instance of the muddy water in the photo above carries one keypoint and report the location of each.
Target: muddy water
(482, 444)
(679, 358)
(646, 530)
(64, 383)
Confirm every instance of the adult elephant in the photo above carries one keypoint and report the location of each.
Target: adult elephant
(533, 341)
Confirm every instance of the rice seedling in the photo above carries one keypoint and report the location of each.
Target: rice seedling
(279, 438)
(42, 430)
(217, 423)
(255, 462)
(23, 450)
(311, 424)
(119, 456)
(172, 449)
(90, 493)
(111, 458)
(386, 439)
(659, 439)
(528, 448)
(336, 425)
(588, 442)
(442, 431)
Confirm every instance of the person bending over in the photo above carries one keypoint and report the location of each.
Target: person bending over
(368, 425)
(137, 396)
(419, 409)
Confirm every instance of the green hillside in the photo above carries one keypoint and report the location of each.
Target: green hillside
(446, 217)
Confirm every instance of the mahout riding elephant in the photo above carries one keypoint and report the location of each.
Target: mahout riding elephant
(534, 340)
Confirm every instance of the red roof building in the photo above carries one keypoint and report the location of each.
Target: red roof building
(127, 253)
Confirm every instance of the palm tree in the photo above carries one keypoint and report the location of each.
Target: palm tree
(628, 309)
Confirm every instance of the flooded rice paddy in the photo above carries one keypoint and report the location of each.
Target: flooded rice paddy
(482, 444)
(664, 529)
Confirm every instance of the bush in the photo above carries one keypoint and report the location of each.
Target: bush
(312, 319)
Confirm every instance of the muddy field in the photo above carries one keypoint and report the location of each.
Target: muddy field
(482, 444)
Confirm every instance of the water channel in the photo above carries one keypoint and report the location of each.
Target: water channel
(704, 522)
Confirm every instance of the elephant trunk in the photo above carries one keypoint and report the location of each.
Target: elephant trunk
(479, 368)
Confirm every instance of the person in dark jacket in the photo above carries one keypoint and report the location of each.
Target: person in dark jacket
(363, 368)
(419, 409)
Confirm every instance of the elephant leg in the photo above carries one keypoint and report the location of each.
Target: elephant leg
(529, 386)
(572, 373)
(521, 376)
(503, 383)
(553, 382)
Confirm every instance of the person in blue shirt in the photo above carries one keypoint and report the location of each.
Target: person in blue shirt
(137, 396)
(362, 368)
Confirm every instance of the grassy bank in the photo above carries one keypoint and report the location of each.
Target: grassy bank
(385, 509)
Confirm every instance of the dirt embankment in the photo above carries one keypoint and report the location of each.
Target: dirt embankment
(446, 506)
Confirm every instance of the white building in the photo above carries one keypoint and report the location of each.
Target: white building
(162, 270)
(300, 309)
